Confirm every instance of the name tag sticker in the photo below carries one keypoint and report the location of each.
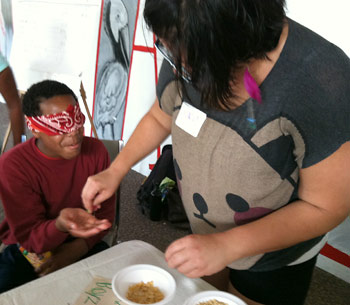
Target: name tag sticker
(190, 119)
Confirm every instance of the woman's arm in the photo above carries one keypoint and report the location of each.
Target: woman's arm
(9, 92)
(148, 135)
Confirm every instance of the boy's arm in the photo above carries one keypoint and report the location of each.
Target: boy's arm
(66, 254)
(25, 213)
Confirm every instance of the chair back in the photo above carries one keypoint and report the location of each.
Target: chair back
(113, 147)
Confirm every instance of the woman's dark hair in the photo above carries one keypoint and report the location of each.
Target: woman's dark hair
(215, 38)
(40, 92)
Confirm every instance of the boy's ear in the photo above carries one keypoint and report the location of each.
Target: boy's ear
(36, 134)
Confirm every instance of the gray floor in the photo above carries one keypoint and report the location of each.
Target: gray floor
(325, 289)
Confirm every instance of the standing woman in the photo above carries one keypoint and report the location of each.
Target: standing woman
(258, 109)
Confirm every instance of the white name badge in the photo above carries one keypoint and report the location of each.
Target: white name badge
(190, 119)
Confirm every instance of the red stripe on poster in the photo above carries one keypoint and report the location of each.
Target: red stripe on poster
(156, 78)
(96, 67)
(336, 255)
(131, 61)
(144, 49)
(155, 60)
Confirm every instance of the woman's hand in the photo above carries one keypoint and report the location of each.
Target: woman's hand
(80, 223)
(99, 188)
(198, 255)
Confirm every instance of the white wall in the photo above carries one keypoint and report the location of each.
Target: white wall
(56, 39)
(330, 19)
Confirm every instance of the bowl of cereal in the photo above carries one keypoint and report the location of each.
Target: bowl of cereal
(214, 297)
(144, 284)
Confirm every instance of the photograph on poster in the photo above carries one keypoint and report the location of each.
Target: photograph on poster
(6, 34)
(116, 36)
(6, 28)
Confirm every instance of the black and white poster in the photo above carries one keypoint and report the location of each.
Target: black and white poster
(115, 46)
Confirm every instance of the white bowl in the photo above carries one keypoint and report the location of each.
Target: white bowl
(220, 296)
(135, 274)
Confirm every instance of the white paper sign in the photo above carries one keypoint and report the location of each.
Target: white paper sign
(190, 119)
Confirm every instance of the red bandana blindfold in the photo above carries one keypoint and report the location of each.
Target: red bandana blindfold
(59, 123)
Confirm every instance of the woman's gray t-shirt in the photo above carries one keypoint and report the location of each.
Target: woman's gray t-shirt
(244, 163)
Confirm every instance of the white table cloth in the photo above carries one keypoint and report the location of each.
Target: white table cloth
(64, 286)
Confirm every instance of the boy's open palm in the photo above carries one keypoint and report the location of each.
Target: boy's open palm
(80, 223)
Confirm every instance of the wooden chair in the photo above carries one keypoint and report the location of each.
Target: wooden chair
(6, 138)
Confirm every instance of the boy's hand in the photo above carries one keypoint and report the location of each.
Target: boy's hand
(80, 223)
